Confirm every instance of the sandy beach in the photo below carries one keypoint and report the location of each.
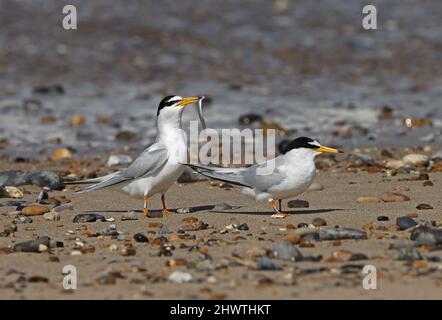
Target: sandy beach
(222, 261)
(71, 98)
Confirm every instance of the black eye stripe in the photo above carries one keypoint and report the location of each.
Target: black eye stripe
(167, 102)
(302, 142)
(171, 102)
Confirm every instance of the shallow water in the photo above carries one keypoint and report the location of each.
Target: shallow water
(306, 66)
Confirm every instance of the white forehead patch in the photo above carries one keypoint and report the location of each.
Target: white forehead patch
(315, 143)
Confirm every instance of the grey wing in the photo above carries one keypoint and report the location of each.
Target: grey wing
(262, 178)
(148, 163)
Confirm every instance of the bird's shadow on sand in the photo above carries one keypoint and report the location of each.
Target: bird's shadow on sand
(211, 207)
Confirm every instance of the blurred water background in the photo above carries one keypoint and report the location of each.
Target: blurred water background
(305, 67)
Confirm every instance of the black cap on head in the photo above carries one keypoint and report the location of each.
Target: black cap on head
(167, 101)
(302, 142)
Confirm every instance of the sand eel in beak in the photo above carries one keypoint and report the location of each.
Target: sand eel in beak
(160, 165)
(292, 173)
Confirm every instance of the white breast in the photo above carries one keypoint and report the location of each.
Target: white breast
(298, 169)
(175, 142)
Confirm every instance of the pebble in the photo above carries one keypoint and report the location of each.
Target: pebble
(405, 223)
(184, 210)
(130, 215)
(128, 250)
(408, 254)
(39, 178)
(164, 230)
(360, 159)
(180, 277)
(34, 210)
(298, 204)
(52, 216)
(292, 238)
(315, 186)
(8, 229)
(341, 234)
(60, 154)
(255, 251)
(77, 120)
(368, 200)
(11, 192)
(424, 206)
(395, 164)
(415, 159)
(63, 207)
(383, 218)
(427, 235)
(116, 160)
(428, 183)
(423, 177)
(302, 225)
(243, 227)
(319, 222)
(358, 257)
(13, 203)
(42, 195)
(284, 250)
(265, 263)
(24, 220)
(37, 245)
(394, 197)
(88, 217)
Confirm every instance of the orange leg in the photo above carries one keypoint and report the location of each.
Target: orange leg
(145, 210)
(163, 200)
(278, 214)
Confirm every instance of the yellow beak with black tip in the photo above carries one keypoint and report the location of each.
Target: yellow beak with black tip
(188, 100)
(327, 149)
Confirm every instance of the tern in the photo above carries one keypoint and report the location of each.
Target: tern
(160, 165)
(292, 173)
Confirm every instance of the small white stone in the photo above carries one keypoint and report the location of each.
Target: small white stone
(415, 159)
(395, 164)
(42, 248)
(115, 160)
(180, 277)
(315, 186)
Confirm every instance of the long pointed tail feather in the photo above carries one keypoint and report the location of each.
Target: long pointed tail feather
(98, 183)
(231, 176)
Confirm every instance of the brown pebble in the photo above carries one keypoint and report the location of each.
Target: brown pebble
(189, 220)
(155, 225)
(176, 262)
(319, 222)
(298, 204)
(412, 215)
(77, 120)
(62, 153)
(394, 197)
(292, 238)
(424, 206)
(34, 210)
(128, 251)
(428, 183)
(290, 226)
(373, 169)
